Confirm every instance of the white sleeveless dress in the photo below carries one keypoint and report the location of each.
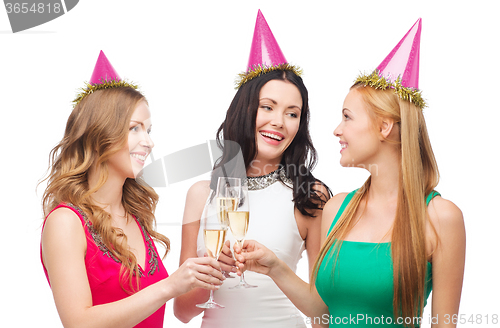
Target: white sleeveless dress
(272, 223)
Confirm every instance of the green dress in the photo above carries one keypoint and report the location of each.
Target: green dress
(360, 292)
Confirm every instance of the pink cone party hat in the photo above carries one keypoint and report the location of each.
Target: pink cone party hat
(103, 71)
(104, 76)
(399, 70)
(265, 54)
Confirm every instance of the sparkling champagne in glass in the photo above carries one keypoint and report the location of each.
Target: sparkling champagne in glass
(238, 222)
(228, 195)
(214, 235)
(227, 198)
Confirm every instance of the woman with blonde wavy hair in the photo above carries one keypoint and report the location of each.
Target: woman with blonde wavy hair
(386, 245)
(97, 245)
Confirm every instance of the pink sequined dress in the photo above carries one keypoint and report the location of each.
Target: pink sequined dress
(103, 269)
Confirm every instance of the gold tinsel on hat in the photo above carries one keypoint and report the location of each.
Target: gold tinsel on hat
(259, 70)
(91, 88)
(379, 82)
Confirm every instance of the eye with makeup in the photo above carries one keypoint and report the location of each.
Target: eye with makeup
(266, 107)
(294, 114)
(138, 127)
(345, 116)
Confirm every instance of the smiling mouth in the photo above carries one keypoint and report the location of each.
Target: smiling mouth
(140, 157)
(271, 135)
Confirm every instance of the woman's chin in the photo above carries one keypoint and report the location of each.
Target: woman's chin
(344, 162)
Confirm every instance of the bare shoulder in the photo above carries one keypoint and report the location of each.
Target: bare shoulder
(335, 202)
(199, 189)
(448, 222)
(62, 227)
(309, 224)
(444, 213)
(62, 220)
(330, 211)
(195, 201)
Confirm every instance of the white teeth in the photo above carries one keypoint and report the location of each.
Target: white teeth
(270, 135)
(343, 146)
(141, 157)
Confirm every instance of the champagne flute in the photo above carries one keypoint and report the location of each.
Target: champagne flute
(228, 195)
(238, 222)
(214, 234)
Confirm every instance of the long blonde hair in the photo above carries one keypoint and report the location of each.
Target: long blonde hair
(419, 176)
(96, 129)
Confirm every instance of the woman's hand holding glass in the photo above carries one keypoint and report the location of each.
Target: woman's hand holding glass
(255, 257)
(226, 260)
(201, 272)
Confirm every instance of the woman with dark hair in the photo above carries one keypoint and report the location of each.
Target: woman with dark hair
(97, 246)
(386, 245)
(268, 122)
(297, 155)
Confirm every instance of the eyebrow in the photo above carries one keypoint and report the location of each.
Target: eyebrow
(272, 100)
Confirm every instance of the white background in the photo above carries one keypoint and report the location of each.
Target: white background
(186, 54)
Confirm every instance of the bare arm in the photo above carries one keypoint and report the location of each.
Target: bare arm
(184, 305)
(313, 238)
(259, 259)
(448, 261)
(313, 235)
(329, 213)
(63, 251)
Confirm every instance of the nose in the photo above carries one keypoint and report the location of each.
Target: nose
(277, 119)
(338, 131)
(146, 141)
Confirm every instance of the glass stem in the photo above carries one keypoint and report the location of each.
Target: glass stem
(211, 299)
(242, 277)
